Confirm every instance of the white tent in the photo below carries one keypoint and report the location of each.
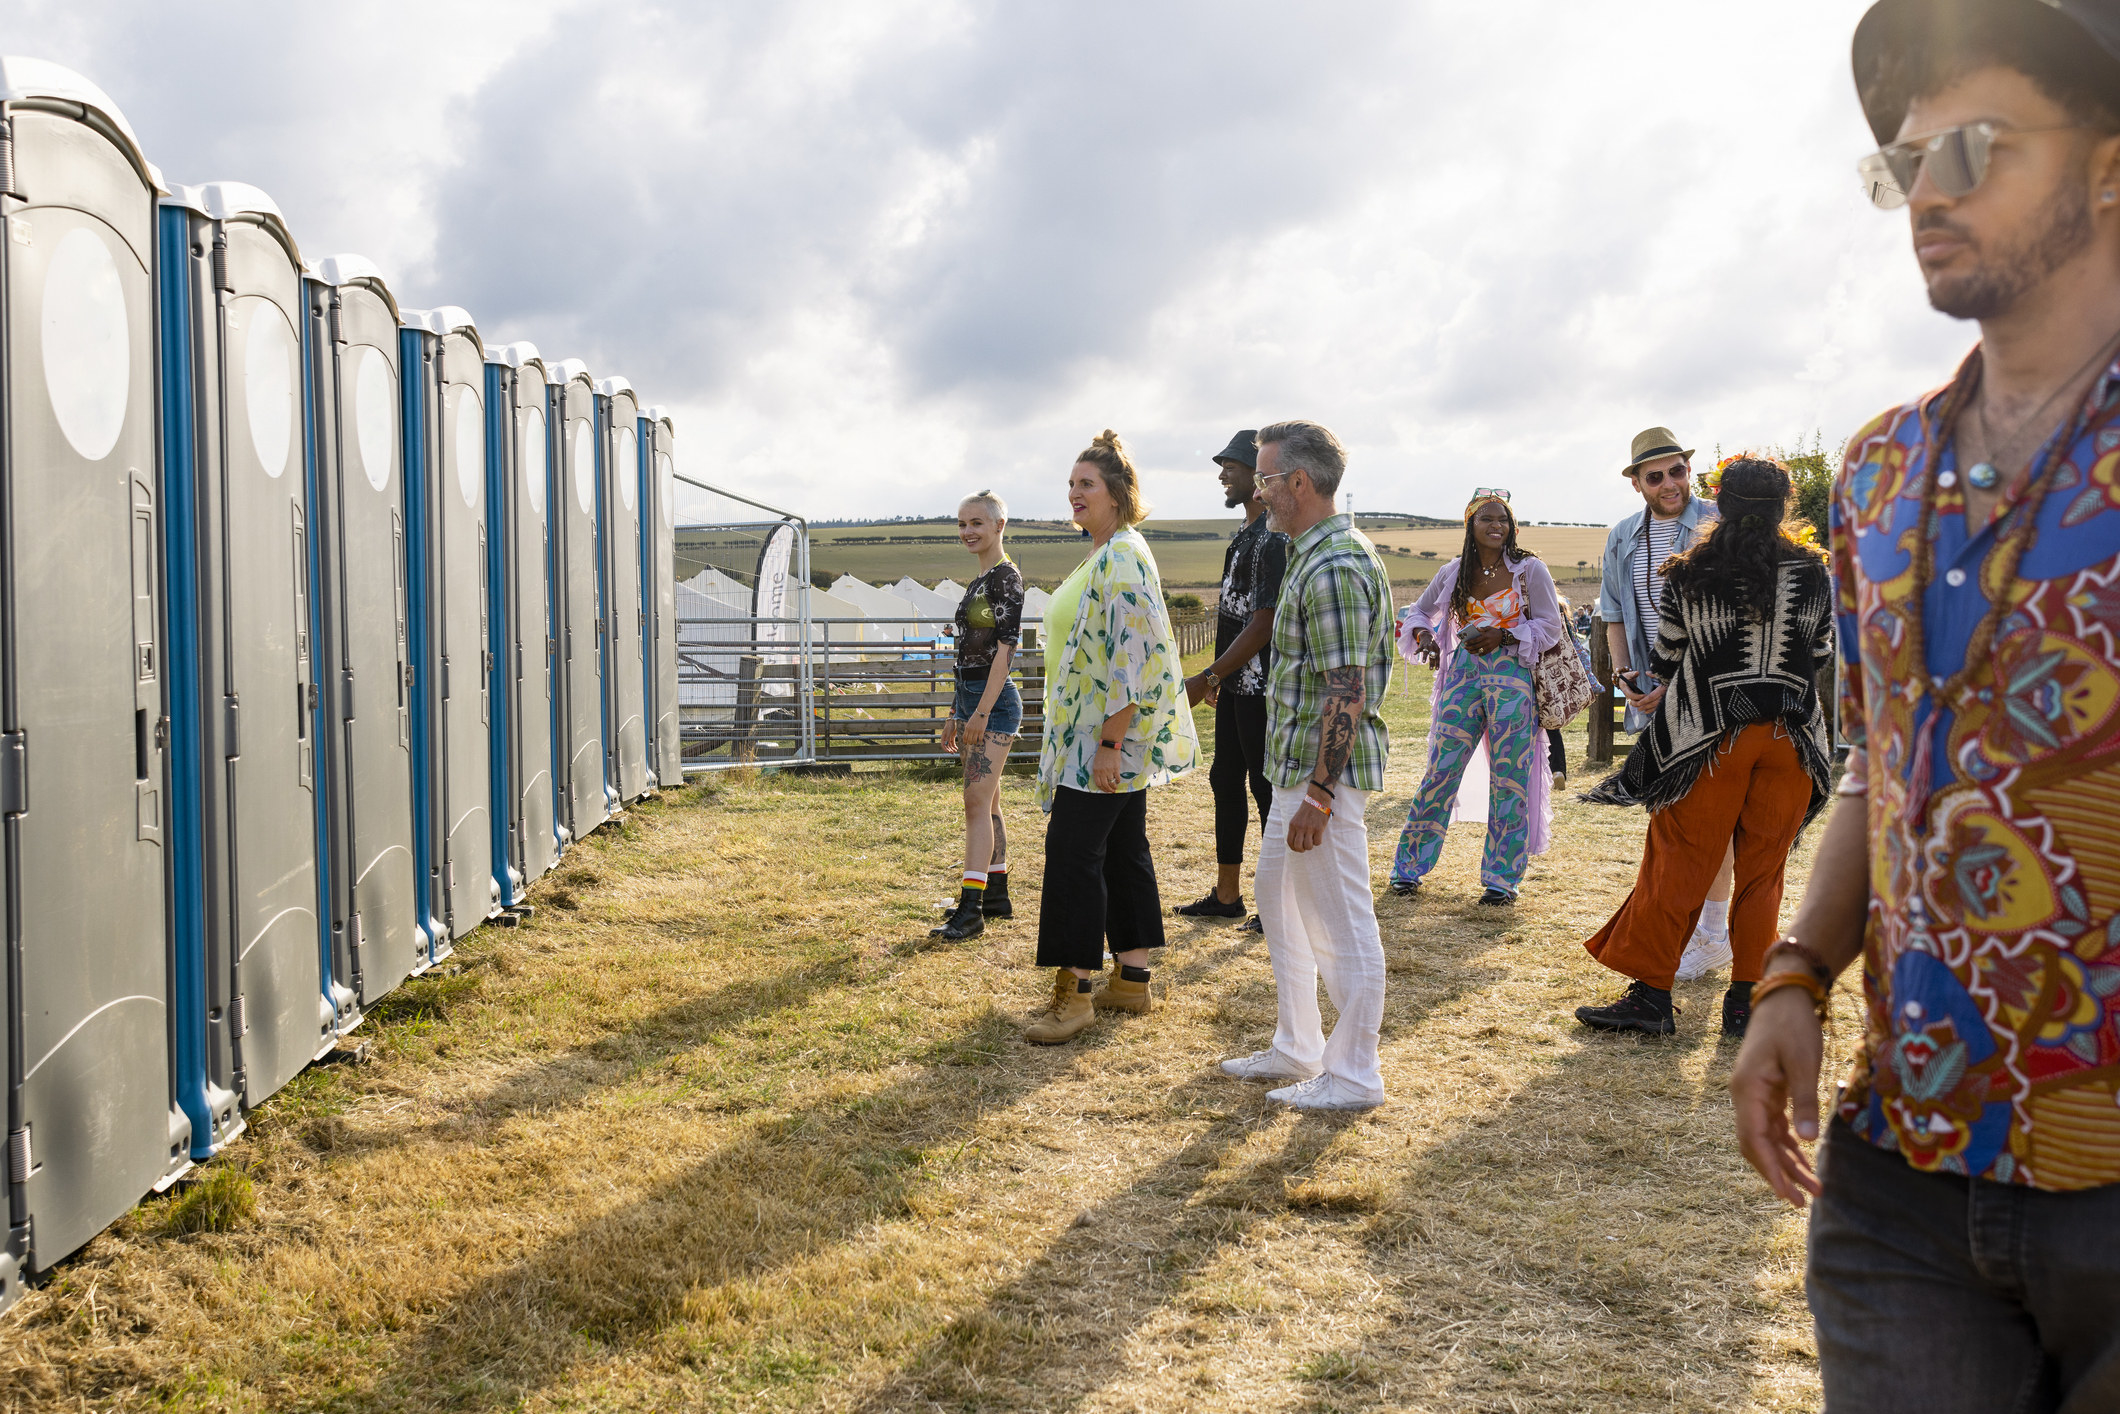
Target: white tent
(852, 624)
(926, 602)
(1035, 601)
(949, 589)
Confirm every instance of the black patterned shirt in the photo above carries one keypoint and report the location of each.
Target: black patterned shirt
(990, 614)
(1251, 580)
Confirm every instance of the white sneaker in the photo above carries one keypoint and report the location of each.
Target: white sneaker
(1265, 1065)
(1704, 953)
(1324, 1092)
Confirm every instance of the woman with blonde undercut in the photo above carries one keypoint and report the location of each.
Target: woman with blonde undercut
(1116, 725)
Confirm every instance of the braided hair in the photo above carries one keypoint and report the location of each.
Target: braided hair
(1738, 558)
(1469, 556)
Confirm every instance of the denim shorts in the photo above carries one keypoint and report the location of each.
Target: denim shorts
(1007, 716)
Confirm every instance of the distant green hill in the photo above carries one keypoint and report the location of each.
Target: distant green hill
(1189, 552)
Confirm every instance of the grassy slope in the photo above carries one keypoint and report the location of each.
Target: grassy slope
(711, 1132)
(1187, 562)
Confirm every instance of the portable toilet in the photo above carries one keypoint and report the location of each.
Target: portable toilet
(92, 1116)
(254, 999)
(584, 803)
(518, 491)
(351, 339)
(626, 610)
(445, 492)
(666, 759)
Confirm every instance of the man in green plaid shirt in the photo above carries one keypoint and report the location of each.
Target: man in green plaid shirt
(1326, 746)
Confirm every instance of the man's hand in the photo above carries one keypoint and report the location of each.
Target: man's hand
(1306, 828)
(1630, 688)
(1197, 691)
(1104, 769)
(1776, 1077)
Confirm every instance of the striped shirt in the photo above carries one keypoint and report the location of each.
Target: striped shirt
(1649, 573)
(1334, 612)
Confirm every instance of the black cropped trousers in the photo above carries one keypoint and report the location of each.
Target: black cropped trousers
(1100, 883)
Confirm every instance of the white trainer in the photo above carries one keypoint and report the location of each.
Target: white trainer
(1704, 953)
(1265, 1065)
(1324, 1092)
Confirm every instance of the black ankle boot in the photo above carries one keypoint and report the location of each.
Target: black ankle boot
(996, 904)
(964, 922)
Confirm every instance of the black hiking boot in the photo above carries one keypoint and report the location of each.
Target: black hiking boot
(964, 922)
(996, 904)
(1211, 907)
(1737, 1009)
(1641, 1008)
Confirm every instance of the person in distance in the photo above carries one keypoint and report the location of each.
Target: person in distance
(1736, 751)
(1964, 1250)
(1116, 726)
(1482, 623)
(985, 714)
(1235, 682)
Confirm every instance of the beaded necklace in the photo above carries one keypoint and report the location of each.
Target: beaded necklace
(2014, 534)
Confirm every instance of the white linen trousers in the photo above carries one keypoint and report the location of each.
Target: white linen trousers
(1321, 921)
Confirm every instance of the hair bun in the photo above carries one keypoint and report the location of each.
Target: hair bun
(1108, 438)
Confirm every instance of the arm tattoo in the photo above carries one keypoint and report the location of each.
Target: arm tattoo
(1344, 697)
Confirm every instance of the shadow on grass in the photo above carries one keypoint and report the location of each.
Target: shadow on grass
(1596, 1234)
(780, 1191)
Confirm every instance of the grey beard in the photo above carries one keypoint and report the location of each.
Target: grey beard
(1995, 286)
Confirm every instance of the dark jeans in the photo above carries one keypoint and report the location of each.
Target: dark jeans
(1240, 755)
(1940, 1294)
(1099, 879)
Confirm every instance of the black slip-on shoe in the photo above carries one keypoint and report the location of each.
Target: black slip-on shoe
(1737, 1015)
(1405, 888)
(1211, 907)
(1640, 1008)
(1497, 898)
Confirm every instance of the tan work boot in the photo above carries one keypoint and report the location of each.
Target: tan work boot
(1068, 1013)
(1118, 994)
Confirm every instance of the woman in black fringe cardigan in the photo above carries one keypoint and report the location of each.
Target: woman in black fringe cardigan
(1737, 752)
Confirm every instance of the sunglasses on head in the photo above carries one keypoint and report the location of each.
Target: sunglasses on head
(1956, 160)
(1654, 479)
(1489, 493)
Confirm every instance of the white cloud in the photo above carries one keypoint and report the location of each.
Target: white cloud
(876, 254)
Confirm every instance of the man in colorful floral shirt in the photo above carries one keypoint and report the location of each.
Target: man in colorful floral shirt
(1965, 1249)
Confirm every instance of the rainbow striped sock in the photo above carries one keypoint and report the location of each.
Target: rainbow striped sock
(973, 879)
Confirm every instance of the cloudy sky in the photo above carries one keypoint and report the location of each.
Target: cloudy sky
(876, 253)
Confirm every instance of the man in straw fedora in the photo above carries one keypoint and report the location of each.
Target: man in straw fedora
(1964, 1250)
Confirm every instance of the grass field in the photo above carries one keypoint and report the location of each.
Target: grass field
(1047, 551)
(715, 1130)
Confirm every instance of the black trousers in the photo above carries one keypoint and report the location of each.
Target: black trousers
(1099, 880)
(1240, 755)
(1556, 752)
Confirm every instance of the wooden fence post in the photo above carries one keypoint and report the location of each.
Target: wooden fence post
(1602, 726)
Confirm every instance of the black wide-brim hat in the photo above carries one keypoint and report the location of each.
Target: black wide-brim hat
(1244, 448)
(1890, 25)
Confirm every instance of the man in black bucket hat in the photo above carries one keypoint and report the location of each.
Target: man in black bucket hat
(1964, 1253)
(1236, 680)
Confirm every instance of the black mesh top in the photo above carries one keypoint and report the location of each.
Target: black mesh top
(991, 613)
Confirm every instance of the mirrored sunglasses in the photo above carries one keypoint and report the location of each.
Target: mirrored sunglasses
(1483, 493)
(1956, 160)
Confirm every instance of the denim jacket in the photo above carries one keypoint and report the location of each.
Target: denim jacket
(1615, 604)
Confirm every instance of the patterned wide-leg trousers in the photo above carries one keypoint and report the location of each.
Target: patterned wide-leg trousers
(1486, 695)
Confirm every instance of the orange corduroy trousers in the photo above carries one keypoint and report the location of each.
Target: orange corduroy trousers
(1752, 796)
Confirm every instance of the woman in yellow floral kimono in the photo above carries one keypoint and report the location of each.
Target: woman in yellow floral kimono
(1116, 723)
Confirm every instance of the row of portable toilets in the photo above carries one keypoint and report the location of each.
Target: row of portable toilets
(323, 630)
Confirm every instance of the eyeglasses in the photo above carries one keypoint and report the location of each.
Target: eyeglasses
(1654, 479)
(1487, 493)
(1956, 159)
(1277, 475)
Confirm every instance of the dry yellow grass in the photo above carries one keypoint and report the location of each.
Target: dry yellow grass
(712, 1132)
